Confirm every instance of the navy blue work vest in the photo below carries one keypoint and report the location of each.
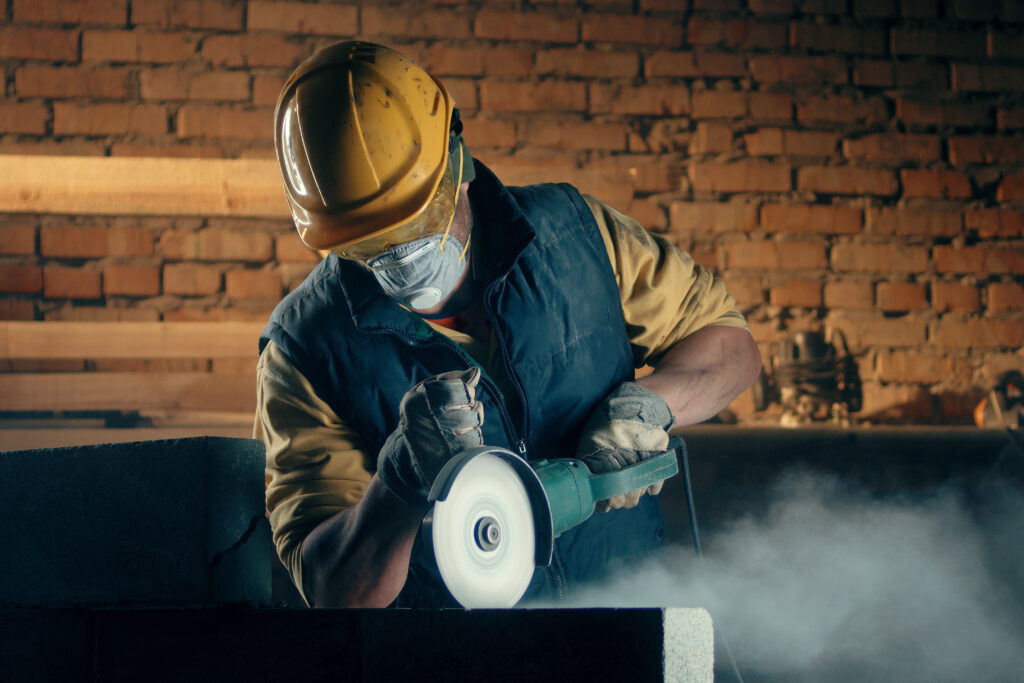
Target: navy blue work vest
(554, 305)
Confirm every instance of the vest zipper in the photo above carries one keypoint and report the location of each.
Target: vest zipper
(525, 426)
(556, 573)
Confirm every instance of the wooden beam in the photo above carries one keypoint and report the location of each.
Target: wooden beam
(103, 340)
(141, 186)
(68, 391)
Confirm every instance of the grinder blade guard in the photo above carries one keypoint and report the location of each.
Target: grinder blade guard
(495, 517)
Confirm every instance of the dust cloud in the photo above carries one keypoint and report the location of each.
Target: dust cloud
(833, 584)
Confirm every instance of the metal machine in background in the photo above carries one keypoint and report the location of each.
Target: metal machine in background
(815, 379)
(496, 516)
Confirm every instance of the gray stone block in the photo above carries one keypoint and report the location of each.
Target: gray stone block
(179, 521)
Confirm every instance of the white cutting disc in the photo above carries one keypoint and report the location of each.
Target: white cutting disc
(483, 535)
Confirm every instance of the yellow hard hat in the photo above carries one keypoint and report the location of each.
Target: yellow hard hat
(362, 138)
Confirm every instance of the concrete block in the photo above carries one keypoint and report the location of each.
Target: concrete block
(364, 646)
(171, 522)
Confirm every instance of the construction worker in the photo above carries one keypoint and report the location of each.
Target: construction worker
(451, 312)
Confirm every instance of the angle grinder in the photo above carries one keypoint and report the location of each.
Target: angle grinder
(495, 516)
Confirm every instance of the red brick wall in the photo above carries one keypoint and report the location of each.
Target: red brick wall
(856, 164)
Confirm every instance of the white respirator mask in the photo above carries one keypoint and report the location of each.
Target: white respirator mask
(421, 273)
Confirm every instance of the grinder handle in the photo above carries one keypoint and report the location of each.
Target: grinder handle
(638, 476)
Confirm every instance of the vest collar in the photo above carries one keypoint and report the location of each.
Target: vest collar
(501, 232)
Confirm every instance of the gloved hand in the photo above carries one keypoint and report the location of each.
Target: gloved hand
(630, 425)
(438, 418)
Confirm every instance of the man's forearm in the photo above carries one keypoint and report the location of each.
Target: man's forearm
(360, 557)
(703, 373)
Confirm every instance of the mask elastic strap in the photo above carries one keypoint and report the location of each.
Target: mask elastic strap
(458, 191)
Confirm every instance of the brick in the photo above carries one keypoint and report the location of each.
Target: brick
(1005, 296)
(695, 65)
(914, 366)
(863, 331)
(745, 289)
(777, 141)
(17, 238)
(708, 104)
(802, 70)
(769, 7)
(711, 5)
(1011, 118)
(846, 180)
(771, 254)
(174, 84)
(299, 17)
(817, 218)
(131, 149)
(27, 118)
(22, 279)
(849, 294)
(994, 222)
(252, 284)
(736, 33)
(122, 241)
(835, 108)
(92, 313)
(770, 106)
(121, 280)
(914, 221)
(886, 258)
(72, 241)
(875, 8)
(622, 28)
(191, 279)
(893, 147)
(843, 39)
(1006, 46)
(108, 119)
(662, 100)
(17, 309)
(896, 403)
(713, 216)
(648, 213)
(987, 78)
(489, 133)
(648, 173)
(1011, 188)
(539, 26)
(741, 176)
(933, 43)
(21, 42)
(265, 90)
(111, 12)
(961, 333)
(901, 74)
(711, 138)
(205, 121)
(63, 82)
(412, 21)
(935, 184)
(463, 93)
(941, 114)
(797, 292)
(901, 296)
(523, 96)
(919, 9)
(458, 61)
(136, 46)
(590, 63)
(953, 297)
(824, 7)
(986, 150)
(588, 135)
(978, 259)
(212, 14)
(70, 283)
(215, 244)
(251, 50)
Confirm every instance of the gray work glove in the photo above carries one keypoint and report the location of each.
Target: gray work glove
(438, 418)
(630, 425)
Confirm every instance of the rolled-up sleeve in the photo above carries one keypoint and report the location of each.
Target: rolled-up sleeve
(665, 295)
(315, 464)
